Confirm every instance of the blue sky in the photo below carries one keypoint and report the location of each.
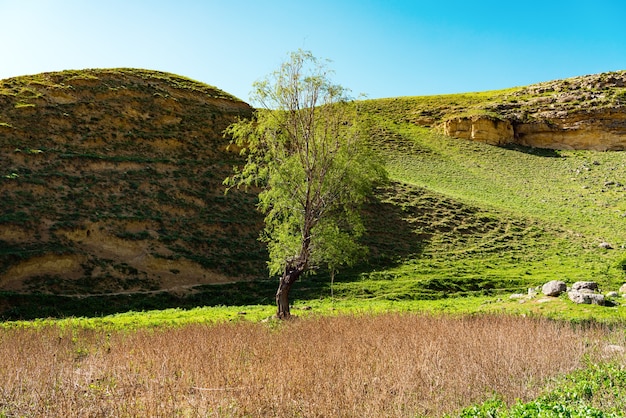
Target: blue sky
(382, 48)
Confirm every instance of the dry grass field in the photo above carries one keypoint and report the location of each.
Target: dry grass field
(391, 365)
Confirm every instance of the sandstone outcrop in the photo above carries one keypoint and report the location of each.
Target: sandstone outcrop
(586, 112)
(599, 130)
(485, 129)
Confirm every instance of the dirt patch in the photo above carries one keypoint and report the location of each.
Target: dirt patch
(166, 144)
(189, 199)
(68, 266)
(14, 233)
(169, 120)
(95, 238)
(60, 96)
(136, 226)
(176, 210)
(146, 256)
(174, 273)
(83, 81)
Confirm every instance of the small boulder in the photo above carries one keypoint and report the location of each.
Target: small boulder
(554, 288)
(622, 289)
(605, 245)
(612, 295)
(589, 287)
(586, 298)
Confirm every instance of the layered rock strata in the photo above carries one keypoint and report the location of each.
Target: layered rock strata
(579, 113)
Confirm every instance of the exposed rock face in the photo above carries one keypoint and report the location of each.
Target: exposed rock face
(485, 129)
(586, 112)
(599, 130)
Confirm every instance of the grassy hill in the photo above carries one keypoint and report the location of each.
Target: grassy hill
(111, 184)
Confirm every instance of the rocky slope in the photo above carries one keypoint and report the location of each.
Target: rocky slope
(586, 112)
(111, 181)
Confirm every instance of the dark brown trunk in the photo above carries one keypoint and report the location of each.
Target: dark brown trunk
(284, 286)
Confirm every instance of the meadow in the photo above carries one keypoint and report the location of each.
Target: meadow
(394, 364)
(423, 327)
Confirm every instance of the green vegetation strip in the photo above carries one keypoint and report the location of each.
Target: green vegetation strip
(554, 308)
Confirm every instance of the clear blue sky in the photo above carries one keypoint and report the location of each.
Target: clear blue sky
(383, 48)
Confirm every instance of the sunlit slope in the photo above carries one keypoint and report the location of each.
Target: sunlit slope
(111, 185)
(491, 218)
(581, 191)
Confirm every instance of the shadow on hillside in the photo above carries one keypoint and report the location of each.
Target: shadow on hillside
(390, 238)
(540, 152)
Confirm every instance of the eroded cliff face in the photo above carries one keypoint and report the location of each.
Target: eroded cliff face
(579, 113)
(485, 129)
(599, 130)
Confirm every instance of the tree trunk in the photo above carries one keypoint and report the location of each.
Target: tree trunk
(288, 278)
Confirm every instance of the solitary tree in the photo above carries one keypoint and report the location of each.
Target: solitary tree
(304, 149)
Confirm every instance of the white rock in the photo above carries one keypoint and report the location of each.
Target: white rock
(585, 287)
(554, 288)
(586, 297)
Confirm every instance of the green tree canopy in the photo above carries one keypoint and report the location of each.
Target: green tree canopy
(305, 150)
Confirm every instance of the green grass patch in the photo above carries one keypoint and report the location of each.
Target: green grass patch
(598, 390)
(556, 308)
(22, 105)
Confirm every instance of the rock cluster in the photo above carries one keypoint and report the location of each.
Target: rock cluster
(586, 292)
(582, 292)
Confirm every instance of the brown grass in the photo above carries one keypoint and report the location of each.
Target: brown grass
(366, 366)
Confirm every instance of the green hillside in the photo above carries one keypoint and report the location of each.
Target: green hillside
(503, 217)
(115, 176)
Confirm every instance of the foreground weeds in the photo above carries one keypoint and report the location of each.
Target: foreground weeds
(361, 365)
(597, 391)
